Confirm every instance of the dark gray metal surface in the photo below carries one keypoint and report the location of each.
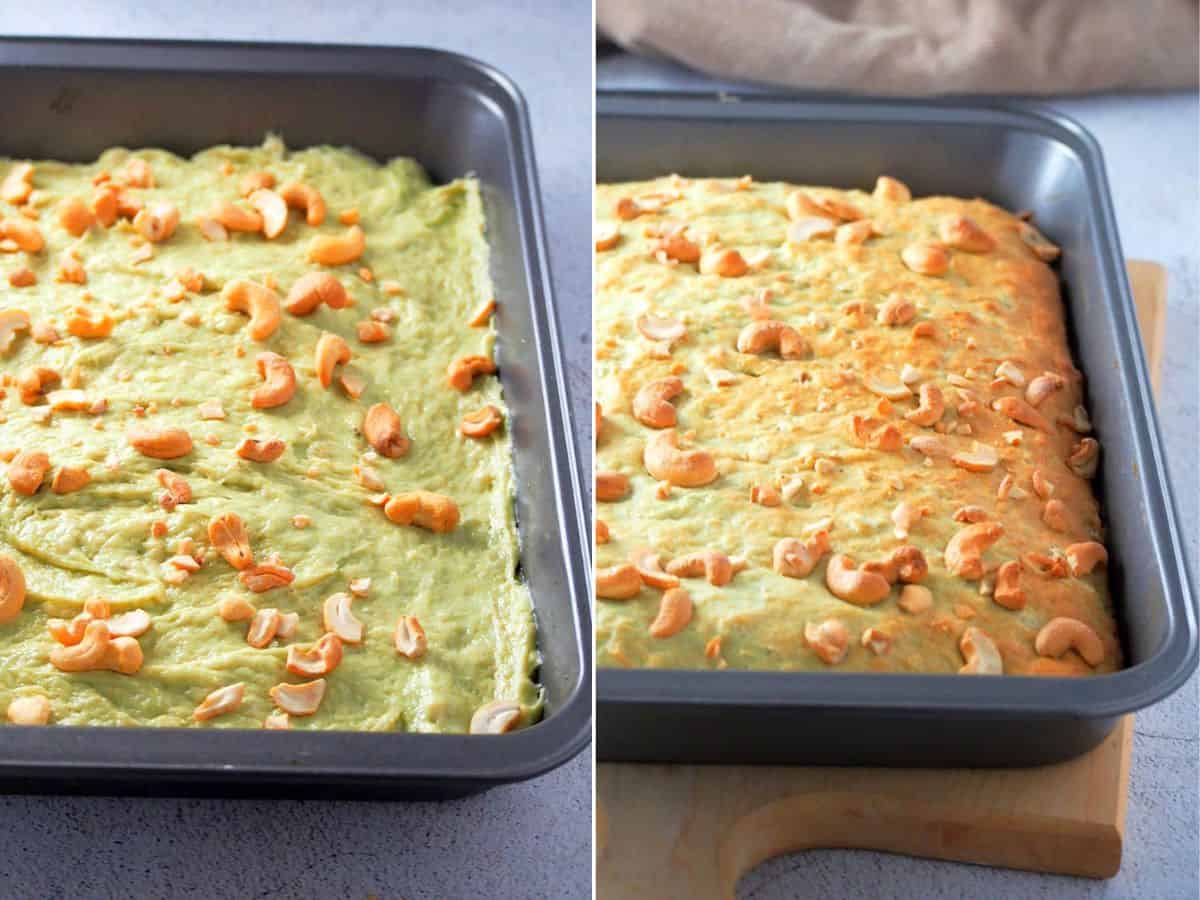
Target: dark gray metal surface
(73, 99)
(1021, 159)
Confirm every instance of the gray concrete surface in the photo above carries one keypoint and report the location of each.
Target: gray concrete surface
(528, 840)
(1150, 148)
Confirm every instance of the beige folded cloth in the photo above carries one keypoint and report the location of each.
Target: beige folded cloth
(924, 46)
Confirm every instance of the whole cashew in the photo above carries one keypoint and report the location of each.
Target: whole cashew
(717, 568)
(156, 223)
(647, 563)
(260, 451)
(666, 461)
(926, 258)
(319, 659)
(497, 717)
(222, 700)
(12, 589)
(1020, 411)
(227, 533)
(309, 199)
(1061, 634)
(1008, 592)
(794, 558)
(299, 699)
(769, 334)
(962, 233)
(482, 422)
(611, 486)
(279, 381)
(855, 585)
(1084, 458)
(75, 216)
(98, 650)
(930, 410)
(332, 351)
(674, 613)
(23, 233)
(311, 290)
(259, 302)
(1085, 556)
(237, 218)
(384, 431)
(980, 652)
(160, 443)
(425, 509)
(652, 403)
(964, 553)
(619, 582)
(27, 471)
(829, 640)
(273, 210)
(461, 373)
(1042, 387)
(337, 250)
(896, 310)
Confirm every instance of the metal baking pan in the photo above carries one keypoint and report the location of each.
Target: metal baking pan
(73, 99)
(1019, 158)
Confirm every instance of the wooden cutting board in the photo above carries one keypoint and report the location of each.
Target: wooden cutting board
(690, 832)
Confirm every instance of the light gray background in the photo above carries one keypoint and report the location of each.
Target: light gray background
(1150, 148)
(528, 840)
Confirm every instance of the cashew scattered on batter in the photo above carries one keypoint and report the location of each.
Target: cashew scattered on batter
(425, 509)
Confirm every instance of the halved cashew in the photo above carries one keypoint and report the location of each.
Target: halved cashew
(878, 435)
(1007, 591)
(236, 218)
(829, 640)
(931, 408)
(854, 233)
(264, 577)
(926, 258)
(260, 451)
(602, 534)
(661, 328)
(31, 383)
(1055, 515)
(652, 403)
(279, 381)
(17, 184)
(1020, 411)
(425, 509)
(337, 618)
(963, 233)
(1042, 248)
(385, 432)
(619, 582)
(804, 229)
(482, 422)
(1061, 634)
(891, 190)
(332, 351)
(259, 302)
(12, 589)
(133, 623)
(876, 640)
(964, 553)
(69, 479)
(768, 334)
(674, 612)
(222, 700)
(316, 660)
(461, 373)
(606, 235)
(678, 247)
(11, 322)
(273, 210)
(235, 609)
(1084, 458)
(75, 216)
(497, 717)
(89, 324)
(311, 290)
(299, 699)
(915, 599)
(906, 563)
(905, 516)
(159, 443)
(31, 710)
(666, 461)
(252, 181)
(717, 568)
(211, 229)
(981, 458)
(611, 486)
(337, 250)
(724, 262)
(800, 205)
(227, 533)
(309, 199)
(409, 638)
(157, 222)
(854, 584)
(794, 558)
(263, 625)
(98, 650)
(650, 569)
(1085, 556)
(887, 385)
(26, 235)
(1042, 387)
(27, 471)
(980, 653)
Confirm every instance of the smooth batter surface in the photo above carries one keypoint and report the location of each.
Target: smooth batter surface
(426, 244)
(788, 422)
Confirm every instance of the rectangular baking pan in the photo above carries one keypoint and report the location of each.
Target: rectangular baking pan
(1021, 159)
(71, 100)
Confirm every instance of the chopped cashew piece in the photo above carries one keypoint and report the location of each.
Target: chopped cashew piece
(384, 431)
(611, 486)
(27, 471)
(915, 599)
(1007, 591)
(409, 638)
(980, 653)
(794, 558)
(228, 535)
(425, 509)
(661, 328)
(260, 451)
(229, 215)
(461, 373)
(829, 640)
(963, 233)
(69, 479)
(299, 699)
(157, 222)
(30, 710)
(12, 589)
(606, 235)
(272, 209)
(981, 458)
(235, 609)
(266, 577)
(497, 717)
(17, 184)
(222, 700)
(877, 641)
(338, 619)
(891, 190)
(724, 262)
(263, 625)
(12, 321)
(316, 660)
(674, 613)
(161, 443)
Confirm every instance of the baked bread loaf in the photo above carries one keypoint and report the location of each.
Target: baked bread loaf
(839, 430)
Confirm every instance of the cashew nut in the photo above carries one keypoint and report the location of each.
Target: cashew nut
(299, 699)
(1020, 411)
(611, 486)
(279, 381)
(27, 471)
(1008, 592)
(619, 582)
(17, 184)
(915, 599)
(981, 458)
(309, 199)
(724, 262)
(23, 233)
(1042, 248)
(98, 650)
(31, 710)
(32, 382)
(768, 334)
(980, 653)
(89, 324)
(878, 435)
(11, 322)
(332, 351)
(409, 638)
(252, 181)
(652, 403)
(963, 233)
(337, 250)
(891, 190)
(896, 310)
(262, 628)
(482, 422)
(930, 410)
(674, 612)
(12, 589)
(650, 570)
(265, 577)
(311, 290)
(855, 585)
(222, 700)
(906, 563)
(69, 479)
(425, 509)
(138, 174)
(829, 640)
(666, 461)
(794, 558)
(964, 553)
(717, 568)
(1042, 387)
(1061, 634)
(371, 332)
(905, 516)
(1085, 556)
(384, 431)
(877, 641)
(316, 660)
(236, 218)
(1084, 458)
(461, 373)
(156, 223)
(160, 443)
(259, 302)
(1055, 515)
(273, 210)
(227, 533)
(679, 248)
(606, 235)
(926, 258)
(133, 623)
(497, 717)
(661, 328)
(75, 216)
(260, 451)
(602, 535)
(338, 619)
